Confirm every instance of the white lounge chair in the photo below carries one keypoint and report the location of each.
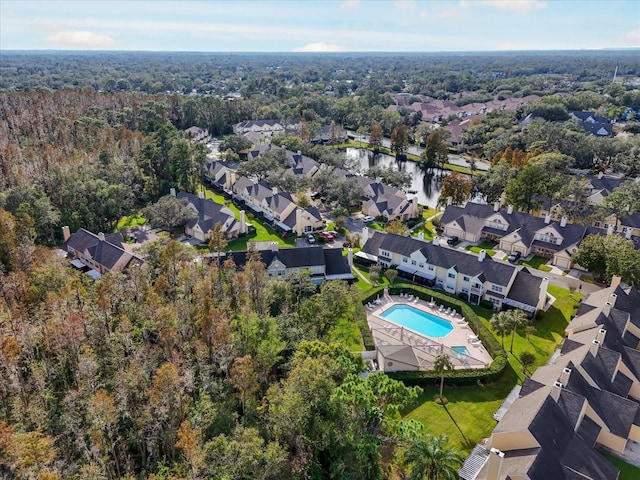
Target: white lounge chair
(415, 300)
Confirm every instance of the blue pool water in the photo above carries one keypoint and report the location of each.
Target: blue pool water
(418, 321)
(462, 350)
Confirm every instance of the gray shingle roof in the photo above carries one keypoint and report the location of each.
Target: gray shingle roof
(525, 288)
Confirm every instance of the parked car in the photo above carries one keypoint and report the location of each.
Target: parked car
(328, 236)
(311, 238)
(514, 257)
(368, 219)
(452, 240)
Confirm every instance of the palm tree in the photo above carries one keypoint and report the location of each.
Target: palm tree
(500, 324)
(430, 458)
(441, 364)
(517, 319)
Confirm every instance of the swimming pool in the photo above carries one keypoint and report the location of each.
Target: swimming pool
(462, 350)
(418, 321)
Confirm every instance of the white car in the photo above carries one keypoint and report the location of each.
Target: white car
(368, 219)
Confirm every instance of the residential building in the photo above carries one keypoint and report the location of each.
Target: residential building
(593, 123)
(321, 263)
(268, 128)
(100, 253)
(210, 213)
(216, 173)
(198, 135)
(276, 207)
(476, 277)
(386, 201)
(586, 398)
(517, 231)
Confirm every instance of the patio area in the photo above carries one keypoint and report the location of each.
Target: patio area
(413, 350)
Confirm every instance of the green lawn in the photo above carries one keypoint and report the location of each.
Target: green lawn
(627, 471)
(486, 245)
(133, 220)
(537, 262)
(467, 418)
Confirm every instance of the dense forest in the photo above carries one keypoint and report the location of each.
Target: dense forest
(186, 369)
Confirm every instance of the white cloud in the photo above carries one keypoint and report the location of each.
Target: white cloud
(349, 4)
(320, 47)
(405, 4)
(80, 39)
(518, 6)
(444, 13)
(632, 38)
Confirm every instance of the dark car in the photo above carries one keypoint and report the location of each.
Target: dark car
(452, 240)
(514, 257)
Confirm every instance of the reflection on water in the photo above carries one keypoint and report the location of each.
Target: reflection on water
(425, 183)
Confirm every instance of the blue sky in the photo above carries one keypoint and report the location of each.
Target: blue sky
(321, 25)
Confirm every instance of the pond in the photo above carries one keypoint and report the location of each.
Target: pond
(425, 184)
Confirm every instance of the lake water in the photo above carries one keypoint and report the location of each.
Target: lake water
(425, 184)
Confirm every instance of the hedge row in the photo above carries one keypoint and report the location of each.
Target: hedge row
(457, 377)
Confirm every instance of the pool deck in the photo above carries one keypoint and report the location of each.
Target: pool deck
(386, 332)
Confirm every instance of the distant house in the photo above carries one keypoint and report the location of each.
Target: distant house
(267, 128)
(100, 253)
(593, 123)
(588, 397)
(197, 134)
(216, 173)
(210, 213)
(299, 164)
(458, 273)
(322, 263)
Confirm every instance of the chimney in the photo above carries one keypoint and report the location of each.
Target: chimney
(172, 191)
(612, 299)
(615, 281)
(230, 179)
(274, 190)
(274, 246)
(243, 222)
(449, 201)
(601, 334)
(610, 229)
(606, 310)
(563, 222)
(481, 255)
(66, 233)
(101, 236)
(595, 344)
(420, 235)
(350, 257)
(542, 295)
(600, 175)
(496, 206)
(627, 233)
(547, 218)
(365, 235)
(300, 152)
(201, 195)
(494, 464)
(509, 209)
(564, 376)
(555, 390)
(436, 241)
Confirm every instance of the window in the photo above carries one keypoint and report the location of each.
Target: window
(404, 259)
(466, 279)
(413, 262)
(431, 268)
(384, 253)
(496, 288)
(421, 265)
(451, 275)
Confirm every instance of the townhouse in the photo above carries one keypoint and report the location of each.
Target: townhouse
(323, 264)
(276, 207)
(386, 201)
(97, 254)
(208, 214)
(473, 277)
(586, 399)
(518, 231)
